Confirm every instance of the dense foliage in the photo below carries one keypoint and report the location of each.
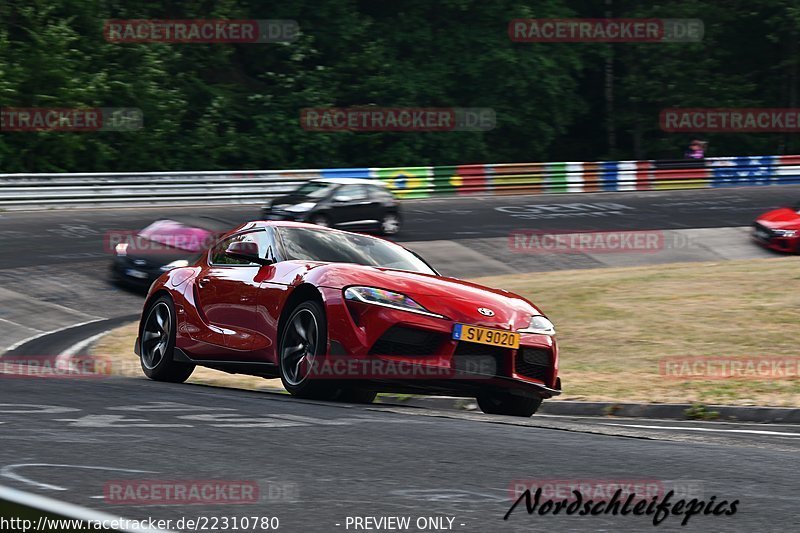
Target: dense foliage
(223, 106)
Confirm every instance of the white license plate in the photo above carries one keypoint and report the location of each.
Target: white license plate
(138, 274)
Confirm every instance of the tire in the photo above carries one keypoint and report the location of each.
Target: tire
(500, 403)
(390, 224)
(157, 344)
(352, 394)
(304, 337)
(320, 220)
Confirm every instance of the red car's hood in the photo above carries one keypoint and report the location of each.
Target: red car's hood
(783, 218)
(456, 299)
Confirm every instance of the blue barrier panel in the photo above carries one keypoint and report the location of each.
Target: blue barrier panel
(608, 175)
(346, 173)
(742, 171)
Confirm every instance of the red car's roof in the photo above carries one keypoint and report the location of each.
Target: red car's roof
(288, 224)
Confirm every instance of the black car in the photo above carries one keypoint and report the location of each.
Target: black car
(347, 203)
(142, 256)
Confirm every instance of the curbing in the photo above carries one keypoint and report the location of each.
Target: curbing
(668, 411)
(671, 411)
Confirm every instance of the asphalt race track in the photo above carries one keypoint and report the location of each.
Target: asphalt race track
(74, 236)
(316, 464)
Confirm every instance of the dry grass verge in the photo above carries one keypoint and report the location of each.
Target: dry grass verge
(615, 325)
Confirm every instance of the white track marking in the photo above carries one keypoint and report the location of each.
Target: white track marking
(50, 304)
(64, 359)
(70, 511)
(105, 421)
(38, 409)
(18, 324)
(80, 345)
(9, 472)
(168, 407)
(57, 330)
(710, 430)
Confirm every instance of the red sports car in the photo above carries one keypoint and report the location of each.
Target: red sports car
(342, 316)
(779, 229)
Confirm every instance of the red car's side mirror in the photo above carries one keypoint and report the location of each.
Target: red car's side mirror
(247, 251)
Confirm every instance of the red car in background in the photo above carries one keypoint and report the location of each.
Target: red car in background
(341, 316)
(779, 229)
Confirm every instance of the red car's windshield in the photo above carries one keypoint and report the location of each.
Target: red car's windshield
(178, 235)
(332, 246)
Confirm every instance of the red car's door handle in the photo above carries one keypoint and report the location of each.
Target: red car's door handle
(203, 281)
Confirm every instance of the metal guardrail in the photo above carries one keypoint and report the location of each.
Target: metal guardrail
(163, 188)
(172, 188)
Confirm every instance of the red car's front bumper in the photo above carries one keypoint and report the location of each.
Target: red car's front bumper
(766, 237)
(379, 341)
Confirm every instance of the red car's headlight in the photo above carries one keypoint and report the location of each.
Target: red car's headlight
(539, 325)
(384, 298)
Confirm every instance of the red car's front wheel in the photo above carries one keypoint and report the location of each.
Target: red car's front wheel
(303, 342)
(502, 403)
(157, 343)
(304, 339)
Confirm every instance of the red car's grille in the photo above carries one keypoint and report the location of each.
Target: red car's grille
(400, 340)
(482, 359)
(534, 363)
(763, 231)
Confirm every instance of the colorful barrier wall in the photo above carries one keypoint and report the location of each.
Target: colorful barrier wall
(574, 177)
(256, 186)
